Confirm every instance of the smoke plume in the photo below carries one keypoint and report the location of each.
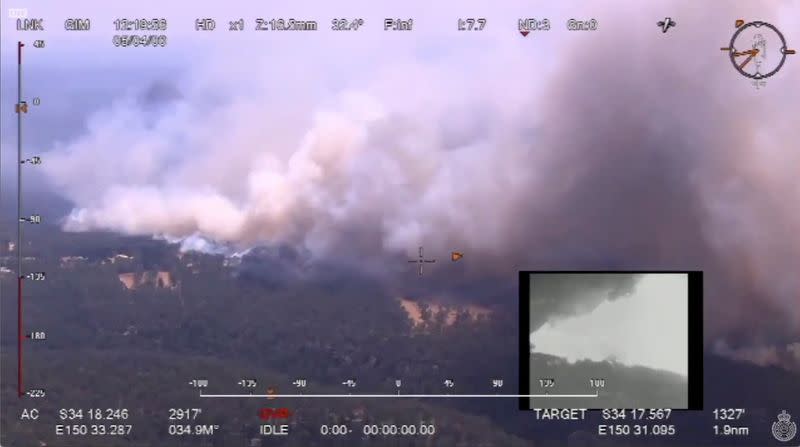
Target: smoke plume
(556, 296)
(625, 147)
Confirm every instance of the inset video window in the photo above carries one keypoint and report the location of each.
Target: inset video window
(611, 340)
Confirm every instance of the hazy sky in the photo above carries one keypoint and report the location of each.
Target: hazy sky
(648, 327)
(620, 148)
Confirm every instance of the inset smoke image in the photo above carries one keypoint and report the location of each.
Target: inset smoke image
(608, 340)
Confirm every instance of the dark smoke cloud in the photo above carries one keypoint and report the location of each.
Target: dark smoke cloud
(554, 296)
(673, 163)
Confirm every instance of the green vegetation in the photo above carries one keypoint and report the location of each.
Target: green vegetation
(109, 346)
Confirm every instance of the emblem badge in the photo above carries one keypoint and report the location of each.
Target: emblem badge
(784, 430)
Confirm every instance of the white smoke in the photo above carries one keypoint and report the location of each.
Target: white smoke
(787, 357)
(392, 155)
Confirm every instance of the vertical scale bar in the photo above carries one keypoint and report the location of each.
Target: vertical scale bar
(20, 383)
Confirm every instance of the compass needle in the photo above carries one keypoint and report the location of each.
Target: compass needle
(766, 51)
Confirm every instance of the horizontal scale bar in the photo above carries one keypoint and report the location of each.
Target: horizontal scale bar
(407, 396)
